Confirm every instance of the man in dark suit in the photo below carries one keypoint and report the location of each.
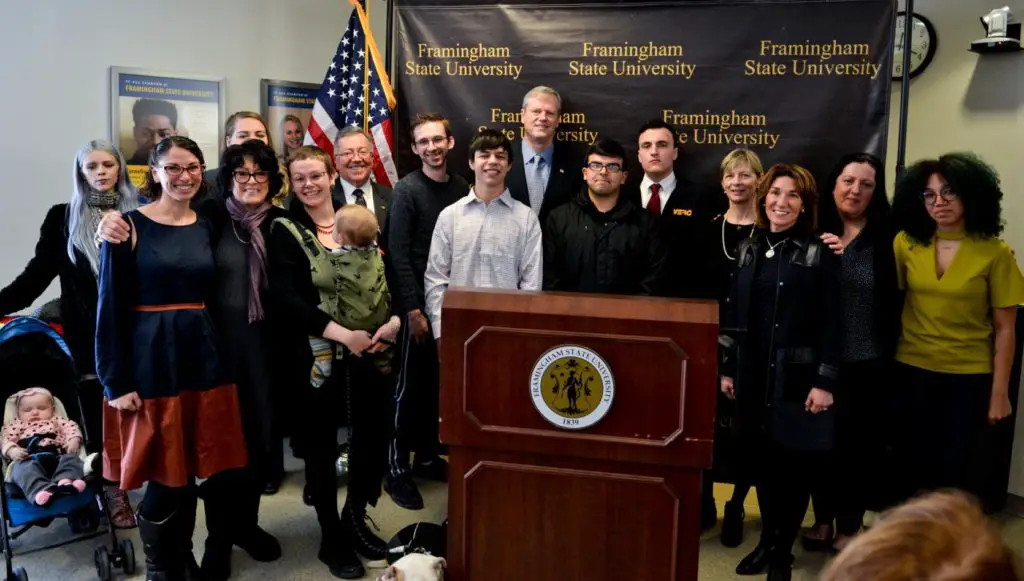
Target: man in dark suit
(353, 158)
(548, 174)
(676, 203)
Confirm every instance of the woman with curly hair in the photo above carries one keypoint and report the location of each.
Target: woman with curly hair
(956, 347)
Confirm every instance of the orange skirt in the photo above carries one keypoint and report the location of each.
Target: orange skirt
(173, 439)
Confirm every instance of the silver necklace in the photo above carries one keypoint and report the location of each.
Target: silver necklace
(724, 249)
(771, 247)
(236, 233)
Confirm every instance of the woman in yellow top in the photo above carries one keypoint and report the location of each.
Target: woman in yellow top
(956, 346)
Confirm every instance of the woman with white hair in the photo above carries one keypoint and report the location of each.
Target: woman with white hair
(67, 250)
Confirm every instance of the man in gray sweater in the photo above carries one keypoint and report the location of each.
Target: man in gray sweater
(416, 202)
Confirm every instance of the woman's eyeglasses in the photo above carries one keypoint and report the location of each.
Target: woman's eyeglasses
(176, 170)
(242, 176)
(946, 194)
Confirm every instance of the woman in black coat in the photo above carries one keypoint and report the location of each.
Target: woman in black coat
(67, 250)
(782, 341)
(859, 209)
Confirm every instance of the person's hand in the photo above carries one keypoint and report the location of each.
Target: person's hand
(17, 453)
(127, 403)
(818, 400)
(74, 445)
(999, 407)
(418, 325)
(728, 388)
(113, 228)
(385, 336)
(834, 243)
(357, 342)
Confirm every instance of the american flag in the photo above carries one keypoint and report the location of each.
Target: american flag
(356, 91)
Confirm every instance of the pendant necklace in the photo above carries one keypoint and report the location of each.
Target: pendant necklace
(771, 247)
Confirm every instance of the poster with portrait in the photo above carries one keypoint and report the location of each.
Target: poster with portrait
(287, 107)
(148, 106)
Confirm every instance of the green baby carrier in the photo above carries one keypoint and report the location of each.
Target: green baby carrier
(352, 287)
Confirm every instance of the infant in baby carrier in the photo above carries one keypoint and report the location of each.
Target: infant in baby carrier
(43, 447)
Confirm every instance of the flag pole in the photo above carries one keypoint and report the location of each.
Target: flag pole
(366, 72)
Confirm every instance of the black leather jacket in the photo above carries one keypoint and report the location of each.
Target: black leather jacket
(805, 339)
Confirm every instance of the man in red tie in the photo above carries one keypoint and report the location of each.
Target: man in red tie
(675, 204)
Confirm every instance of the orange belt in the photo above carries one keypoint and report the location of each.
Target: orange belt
(161, 308)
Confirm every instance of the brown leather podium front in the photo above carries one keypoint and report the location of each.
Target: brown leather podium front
(577, 427)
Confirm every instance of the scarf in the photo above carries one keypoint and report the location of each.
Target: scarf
(251, 218)
(102, 200)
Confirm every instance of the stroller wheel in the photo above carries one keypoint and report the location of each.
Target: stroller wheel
(20, 574)
(102, 558)
(127, 556)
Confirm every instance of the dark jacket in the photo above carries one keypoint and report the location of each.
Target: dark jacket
(381, 201)
(618, 252)
(294, 300)
(804, 347)
(888, 299)
(682, 221)
(565, 180)
(78, 291)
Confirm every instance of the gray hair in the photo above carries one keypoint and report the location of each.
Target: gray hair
(81, 234)
(348, 131)
(542, 90)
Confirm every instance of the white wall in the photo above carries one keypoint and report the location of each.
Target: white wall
(57, 84)
(966, 101)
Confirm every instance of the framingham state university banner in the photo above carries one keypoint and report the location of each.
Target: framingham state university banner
(796, 81)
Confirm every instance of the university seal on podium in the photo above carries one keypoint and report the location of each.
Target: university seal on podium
(572, 387)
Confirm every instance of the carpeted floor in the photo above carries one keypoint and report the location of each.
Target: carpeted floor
(294, 524)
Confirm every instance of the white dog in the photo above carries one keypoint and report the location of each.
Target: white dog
(415, 567)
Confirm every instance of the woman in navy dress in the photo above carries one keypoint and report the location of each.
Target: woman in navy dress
(177, 416)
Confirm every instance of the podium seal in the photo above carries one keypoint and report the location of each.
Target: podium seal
(572, 387)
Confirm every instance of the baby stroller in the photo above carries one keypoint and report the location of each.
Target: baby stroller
(34, 354)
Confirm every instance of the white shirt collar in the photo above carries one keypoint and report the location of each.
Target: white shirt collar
(668, 185)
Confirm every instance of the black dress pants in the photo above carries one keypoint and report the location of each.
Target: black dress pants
(417, 402)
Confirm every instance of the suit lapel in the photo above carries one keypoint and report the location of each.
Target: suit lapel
(380, 204)
(515, 181)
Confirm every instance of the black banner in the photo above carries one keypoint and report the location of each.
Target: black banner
(796, 81)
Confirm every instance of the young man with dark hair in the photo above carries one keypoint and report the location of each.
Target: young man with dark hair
(153, 120)
(416, 202)
(600, 242)
(487, 239)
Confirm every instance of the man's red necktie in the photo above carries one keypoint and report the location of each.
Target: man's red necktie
(654, 205)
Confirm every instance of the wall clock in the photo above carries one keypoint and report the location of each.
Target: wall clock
(923, 43)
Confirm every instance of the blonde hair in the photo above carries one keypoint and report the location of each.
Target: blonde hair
(741, 156)
(939, 537)
(356, 225)
(311, 152)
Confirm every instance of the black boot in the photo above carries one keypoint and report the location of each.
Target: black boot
(159, 543)
(261, 545)
(337, 554)
(781, 567)
(185, 521)
(758, 560)
(217, 552)
(732, 524)
(358, 535)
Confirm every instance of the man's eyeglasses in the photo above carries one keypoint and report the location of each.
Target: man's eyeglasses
(436, 140)
(350, 153)
(242, 176)
(598, 166)
(175, 170)
(946, 194)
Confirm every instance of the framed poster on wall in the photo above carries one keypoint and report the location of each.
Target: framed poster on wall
(287, 106)
(147, 106)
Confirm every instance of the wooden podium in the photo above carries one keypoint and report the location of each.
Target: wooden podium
(538, 493)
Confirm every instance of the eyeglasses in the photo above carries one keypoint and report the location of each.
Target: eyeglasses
(350, 153)
(313, 177)
(946, 194)
(175, 170)
(598, 166)
(436, 140)
(242, 176)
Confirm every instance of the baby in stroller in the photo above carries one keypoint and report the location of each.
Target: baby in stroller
(43, 447)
